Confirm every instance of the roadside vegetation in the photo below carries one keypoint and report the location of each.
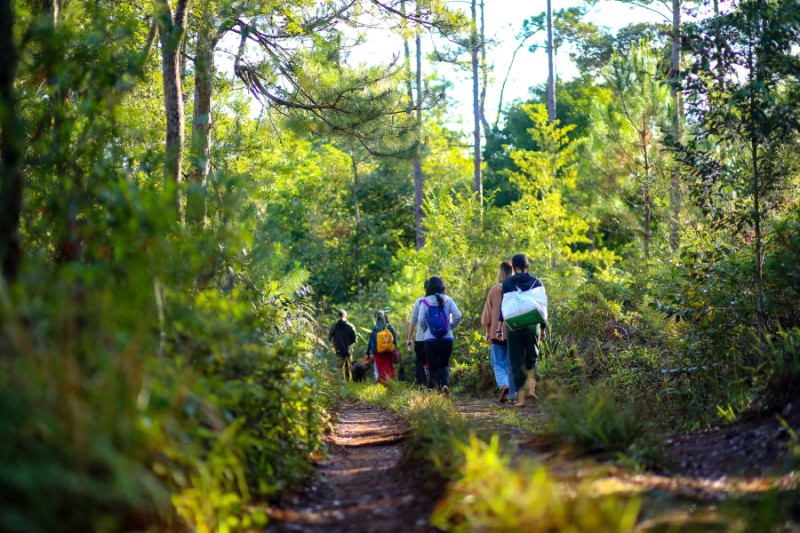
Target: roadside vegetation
(190, 190)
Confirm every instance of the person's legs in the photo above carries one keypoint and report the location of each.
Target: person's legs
(516, 357)
(502, 368)
(498, 365)
(438, 354)
(419, 364)
(531, 347)
(434, 369)
(446, 349)
(347, 367)
(383, 362)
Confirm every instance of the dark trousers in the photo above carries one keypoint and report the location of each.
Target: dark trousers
(523, 353)
(420, 378)
(438, 353)
(347, 365)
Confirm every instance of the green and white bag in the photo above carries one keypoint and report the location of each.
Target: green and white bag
(524, 308)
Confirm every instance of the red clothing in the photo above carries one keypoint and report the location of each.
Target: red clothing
(385, 367)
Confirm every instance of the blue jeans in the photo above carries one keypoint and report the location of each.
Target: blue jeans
(502, 368)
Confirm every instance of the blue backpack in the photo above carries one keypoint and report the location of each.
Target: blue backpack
(437, 321)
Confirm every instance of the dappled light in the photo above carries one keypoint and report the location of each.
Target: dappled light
(394, 265)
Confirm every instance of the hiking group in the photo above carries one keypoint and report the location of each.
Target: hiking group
(515, 317)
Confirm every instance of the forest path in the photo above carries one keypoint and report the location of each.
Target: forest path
(363, 484)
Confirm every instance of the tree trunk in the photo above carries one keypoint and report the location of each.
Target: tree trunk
(201, 125)
(677, 126)
(484, 74)
(551, 70)
(646, 193)
(357, 212)
(171, 29)
(761, 314)
(477, 180)
(419, 231)
(11, 136)
(418, 176)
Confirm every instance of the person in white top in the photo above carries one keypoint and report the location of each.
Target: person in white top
(438, 316)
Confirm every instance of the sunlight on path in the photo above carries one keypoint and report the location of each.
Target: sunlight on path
(363, 484)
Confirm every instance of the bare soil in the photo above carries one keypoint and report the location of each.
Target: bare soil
(366, 485)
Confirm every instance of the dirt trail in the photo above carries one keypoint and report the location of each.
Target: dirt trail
(364, 483)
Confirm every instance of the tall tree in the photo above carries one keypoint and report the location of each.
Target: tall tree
(208, 32)
(551, 69)
(476, 50)
(10, 149)
(171, 30)
(675, 188)
(743, 88)
(419, 177)
(627, 132)
(670, 10)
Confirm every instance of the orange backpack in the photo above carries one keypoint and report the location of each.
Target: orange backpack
(384, 341)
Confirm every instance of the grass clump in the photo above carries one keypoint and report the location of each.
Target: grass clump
(597, 423)
(492, 495)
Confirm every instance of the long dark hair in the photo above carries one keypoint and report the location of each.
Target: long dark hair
(435, 286)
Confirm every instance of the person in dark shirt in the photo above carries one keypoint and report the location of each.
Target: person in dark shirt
(343, 336)
(523, 344)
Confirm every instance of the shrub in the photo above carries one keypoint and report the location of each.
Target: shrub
(491, 495)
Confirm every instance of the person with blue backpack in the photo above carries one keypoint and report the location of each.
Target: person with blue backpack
(438, 316)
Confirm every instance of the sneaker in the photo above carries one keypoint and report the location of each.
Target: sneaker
(446, 390)
(503, 394)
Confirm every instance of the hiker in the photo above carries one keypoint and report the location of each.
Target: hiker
(382, 342)
(523, 343)
(343, 335)
(498, 352)
(420, 362)
(437, 317)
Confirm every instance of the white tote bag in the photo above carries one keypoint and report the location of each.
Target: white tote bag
(524, 308)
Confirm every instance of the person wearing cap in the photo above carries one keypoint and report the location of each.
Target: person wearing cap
(343, 336)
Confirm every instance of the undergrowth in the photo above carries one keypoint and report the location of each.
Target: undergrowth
(487, 492)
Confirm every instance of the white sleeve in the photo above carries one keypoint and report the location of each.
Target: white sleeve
(454, 313)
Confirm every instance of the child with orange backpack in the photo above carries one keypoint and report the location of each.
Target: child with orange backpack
(381, 347)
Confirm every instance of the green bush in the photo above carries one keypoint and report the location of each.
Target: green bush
(595, 422)
(490, 494)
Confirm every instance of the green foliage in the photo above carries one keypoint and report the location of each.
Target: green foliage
(626, 136)
(492, 495)
(595, 422)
